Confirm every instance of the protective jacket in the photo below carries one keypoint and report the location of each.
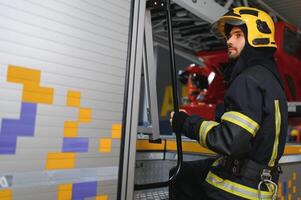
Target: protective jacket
(251, 134)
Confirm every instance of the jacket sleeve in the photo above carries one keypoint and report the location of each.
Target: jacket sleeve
(239, 124)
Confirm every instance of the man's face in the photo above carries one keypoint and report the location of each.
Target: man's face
(235, 42)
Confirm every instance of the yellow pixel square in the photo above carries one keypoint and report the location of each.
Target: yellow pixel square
(70, 129)
(102, 197)
(6, 194)
(73, 98)
(289, 184)
(85, 115)
(116, 134)
(294, 189)
(23, 75)
(37, 94)
(279, 190)
(116, 131)
(105, 145)
(116, 126)
(60, 161)
(65, 192)
(294, 176)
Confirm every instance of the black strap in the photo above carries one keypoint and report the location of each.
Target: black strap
(252, 170)
(248, 169)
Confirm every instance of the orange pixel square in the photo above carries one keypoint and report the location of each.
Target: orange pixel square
(85, 115)
(6, 194)
(105, 145)
(102, 197)
(294, 176)
(116, 126)
(73, 98)
(116, 134)
(65, 192)
(23, 75)
(37, 94)
(116, 131)
(70, 129)
(60, 161)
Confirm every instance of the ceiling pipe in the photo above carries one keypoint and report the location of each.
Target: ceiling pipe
(264, 5)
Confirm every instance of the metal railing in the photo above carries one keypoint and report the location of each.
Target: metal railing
(165, 4)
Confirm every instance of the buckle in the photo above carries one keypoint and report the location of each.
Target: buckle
(266, 178)
(279, 169)
(236, 167)
(230, 165)
(235, 170)
(266, 175)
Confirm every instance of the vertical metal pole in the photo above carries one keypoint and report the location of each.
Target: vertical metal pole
(174, 84)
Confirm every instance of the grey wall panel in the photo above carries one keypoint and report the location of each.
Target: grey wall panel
(45, 193)
(38, 14)
(25, 165)
(48, 192)
(30, 42)
(107, 187)
(10, 109)
(78, 46)
(56, 111)
(97, 161)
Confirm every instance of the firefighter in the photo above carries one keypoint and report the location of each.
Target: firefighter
(250, 137)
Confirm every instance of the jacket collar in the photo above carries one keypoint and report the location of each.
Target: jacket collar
(251, 57)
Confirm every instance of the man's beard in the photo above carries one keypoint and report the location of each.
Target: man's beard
(232, 56)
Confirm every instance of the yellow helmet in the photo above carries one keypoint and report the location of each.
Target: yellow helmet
(260, 26)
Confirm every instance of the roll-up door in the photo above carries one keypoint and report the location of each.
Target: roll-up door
(62, 70)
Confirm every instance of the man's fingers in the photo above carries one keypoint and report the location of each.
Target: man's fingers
(171, 116)
(183, 110)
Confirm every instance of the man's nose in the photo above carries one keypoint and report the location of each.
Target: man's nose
(229, 41)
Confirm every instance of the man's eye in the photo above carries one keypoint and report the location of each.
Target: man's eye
(238, 35)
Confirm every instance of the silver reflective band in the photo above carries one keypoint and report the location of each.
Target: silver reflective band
(236, 189)
(241, 120)
(206, 126)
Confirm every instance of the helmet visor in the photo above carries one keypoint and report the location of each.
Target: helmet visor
(218, 28)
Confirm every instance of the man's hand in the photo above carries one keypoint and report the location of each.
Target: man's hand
(177, 120)
(172, 114)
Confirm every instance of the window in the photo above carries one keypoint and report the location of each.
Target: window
(291, 85)
(292, 43)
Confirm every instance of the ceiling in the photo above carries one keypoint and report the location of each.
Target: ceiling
(193, 34)
(288, 9)
(190, 32)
